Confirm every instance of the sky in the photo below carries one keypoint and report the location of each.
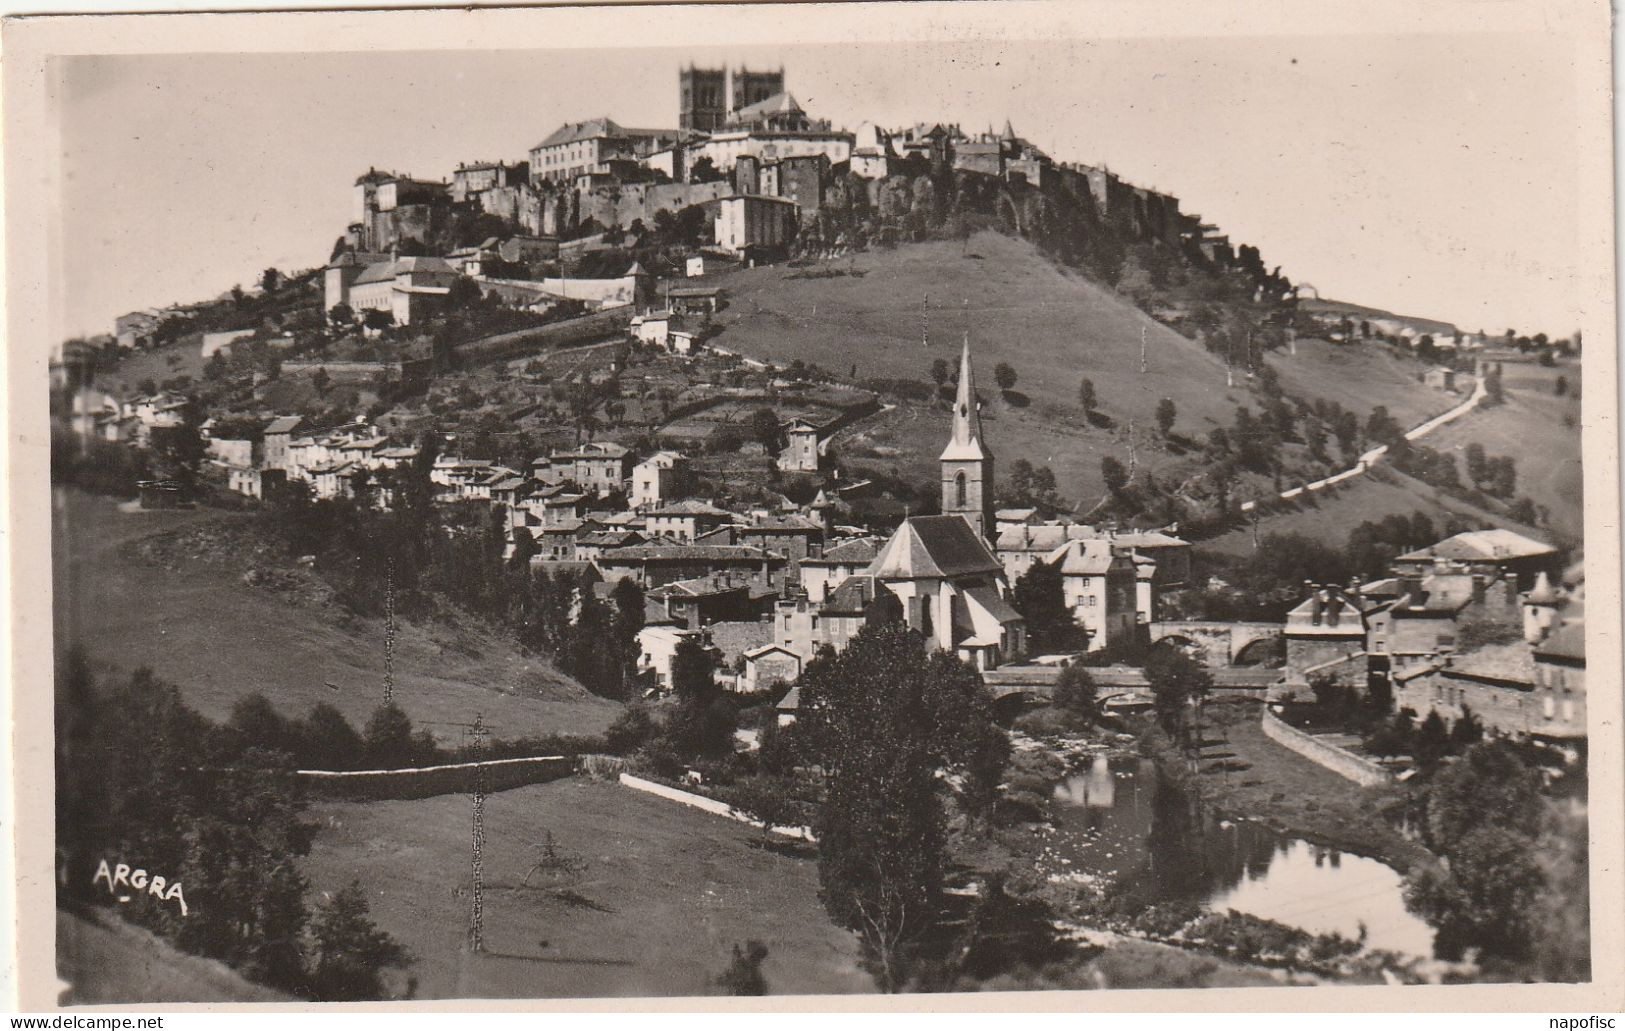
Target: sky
(1428, 174)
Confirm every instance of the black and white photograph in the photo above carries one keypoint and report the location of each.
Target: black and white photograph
(820, 500)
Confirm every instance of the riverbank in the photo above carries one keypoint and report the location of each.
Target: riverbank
(1244, 773)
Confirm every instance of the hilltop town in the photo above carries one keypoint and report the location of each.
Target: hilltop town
(649, 407)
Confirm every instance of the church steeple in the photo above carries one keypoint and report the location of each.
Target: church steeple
(967, 465)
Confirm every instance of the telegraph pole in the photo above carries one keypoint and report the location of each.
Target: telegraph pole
(476, 927)
(389, 634)
(1142, 351)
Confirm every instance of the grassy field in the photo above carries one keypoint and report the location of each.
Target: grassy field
(105, 960)
(1360, 377)
(1054, 328)
(1530, 426)
(662, 894)
(198, 625)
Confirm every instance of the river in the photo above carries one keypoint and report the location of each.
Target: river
(1116, 819)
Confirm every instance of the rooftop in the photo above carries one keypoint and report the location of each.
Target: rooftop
(938, 546)
(1482, 546)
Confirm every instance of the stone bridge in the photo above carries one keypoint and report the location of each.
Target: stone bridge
(1117, 685)
(1223, 644)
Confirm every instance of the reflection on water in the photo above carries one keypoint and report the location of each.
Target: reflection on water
(1120, 819)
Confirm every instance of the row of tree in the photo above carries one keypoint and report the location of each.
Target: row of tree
(142, 778)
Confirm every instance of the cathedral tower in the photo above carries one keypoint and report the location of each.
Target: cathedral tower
(967, 465)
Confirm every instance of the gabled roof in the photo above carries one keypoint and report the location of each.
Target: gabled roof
(378, 272)
(1568, 641)
(283, 424)
(848, 553)
(1086, 557)
(1482, 546)
(691, 507)
(1510, 662)
(781, 103)
(595, 128)
(939, 546)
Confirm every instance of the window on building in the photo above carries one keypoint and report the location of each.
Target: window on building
(959, 490)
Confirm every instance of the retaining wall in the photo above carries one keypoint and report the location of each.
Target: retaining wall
(1340, 762)
(606, 323)
(710, 805)
(427, 781)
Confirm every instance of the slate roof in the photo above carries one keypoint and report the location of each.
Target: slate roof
(848, 553)
(283, 424)
(378, 272)
(781, 103)
(691, 507)
(595, 128)
(1482, 546)
(687, 552)
(1514, 662)
(1568, 641)
(1085, 557)
(939, 546)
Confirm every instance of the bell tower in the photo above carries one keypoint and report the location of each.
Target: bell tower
(967, 466)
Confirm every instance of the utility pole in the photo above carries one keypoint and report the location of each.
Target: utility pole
(925, 320)
(1229, 360)
(1142, 350)
(476, 927)
(389, 634)
(1131, 451)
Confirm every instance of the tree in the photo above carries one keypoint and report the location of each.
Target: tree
(351, 952)
(388, 741)
(327, 741)
(179, 449)
(704, 722)
(1483, 816)
(939, 373)
(1166, 414)
(703, 171)
(321, 381)
(270, 279)
(1561, 386)
(766, 800)
(1005, 376)
(1086, 396)
(882, 717)
(1076, 693)
(341, 314)
(1475, 462)
(464, 293)
(378, 318)
(1116, 477)
(744, 973)
(764, 427)
(1039, 597)
(1177, 681)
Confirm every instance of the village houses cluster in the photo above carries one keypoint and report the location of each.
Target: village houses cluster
(767, 587)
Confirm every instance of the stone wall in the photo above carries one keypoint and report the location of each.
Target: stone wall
(1345, 764)
(427, 781)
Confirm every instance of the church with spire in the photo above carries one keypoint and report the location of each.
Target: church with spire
(966, 463)
(937, 572)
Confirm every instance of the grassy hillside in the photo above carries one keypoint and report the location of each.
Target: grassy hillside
(197, 624)
(662, 895)
(1542, 432)
(107, 961)
(1360, 312)
(1054, 327)
(1360, 377)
